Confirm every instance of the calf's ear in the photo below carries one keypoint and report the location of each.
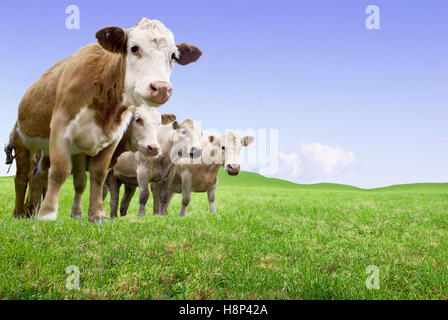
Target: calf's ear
(188, 53)
(247, 140)
(167, 118)
(113, 39)
(188, 123)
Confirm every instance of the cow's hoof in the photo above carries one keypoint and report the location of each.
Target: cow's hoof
(98, 220)
(141, 214)
(76, 216)
(47, 217)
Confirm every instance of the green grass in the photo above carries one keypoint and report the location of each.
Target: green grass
(270, 239)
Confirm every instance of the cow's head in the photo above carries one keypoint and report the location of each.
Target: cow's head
(228, 148)
(142, 131)
(150, 53)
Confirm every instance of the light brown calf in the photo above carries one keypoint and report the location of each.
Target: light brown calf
(193, 176)
(134, 170)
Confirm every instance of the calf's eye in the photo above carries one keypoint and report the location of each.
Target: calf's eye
(173, 57)
(134, 49)
(223, 148)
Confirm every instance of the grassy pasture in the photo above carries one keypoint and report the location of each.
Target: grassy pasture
(270, 239)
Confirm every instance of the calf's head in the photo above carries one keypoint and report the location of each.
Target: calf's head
(186, 141)
(150, 53)
(228, 147)
(141, 134)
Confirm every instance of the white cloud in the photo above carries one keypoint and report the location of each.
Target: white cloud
(308, 162)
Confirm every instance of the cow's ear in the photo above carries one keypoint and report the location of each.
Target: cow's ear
(175, 125)
(167, 118)
(113, 39)
(247, 140)
(188, 53)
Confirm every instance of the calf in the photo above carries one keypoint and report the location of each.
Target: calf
(79, 107)
(133, 169)
(187, 176)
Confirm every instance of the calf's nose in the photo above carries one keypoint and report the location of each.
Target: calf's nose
(195, 152)
(160, 91)
(234, 167)
(153, 149)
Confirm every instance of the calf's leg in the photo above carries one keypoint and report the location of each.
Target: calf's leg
(143, 193)
(165, 197)
(211, 199)
(155, 189)
(114, 187)
(129, 191)
(186, 196)
(79, 183)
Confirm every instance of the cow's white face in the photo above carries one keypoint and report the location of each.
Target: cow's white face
(150, 53)
(149, 63)
(228, 148)
(143, 131)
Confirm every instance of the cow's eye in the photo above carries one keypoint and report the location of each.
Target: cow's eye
(184, 131)
(134, 49)
(138, 120)
(173, 57)
(223, 148)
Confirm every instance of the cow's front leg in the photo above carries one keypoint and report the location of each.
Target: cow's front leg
(211, 199)
(79, 183)
(61, 165)
(129, 191)
(143, 193)
(186, 196)
(99, 167)
(155, 189)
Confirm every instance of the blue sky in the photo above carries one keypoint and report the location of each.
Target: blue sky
(310, 69)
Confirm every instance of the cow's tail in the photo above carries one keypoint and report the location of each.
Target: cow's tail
(9, 149)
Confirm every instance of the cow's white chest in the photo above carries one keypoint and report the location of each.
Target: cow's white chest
(87, 137)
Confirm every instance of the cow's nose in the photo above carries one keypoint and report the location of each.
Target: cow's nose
(160, 91)
(153, 149)
(195, 152)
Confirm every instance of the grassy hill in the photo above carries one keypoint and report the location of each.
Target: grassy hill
(270, 239)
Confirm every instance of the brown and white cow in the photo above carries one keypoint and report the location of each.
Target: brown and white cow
(79, 107)
(140, 136)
